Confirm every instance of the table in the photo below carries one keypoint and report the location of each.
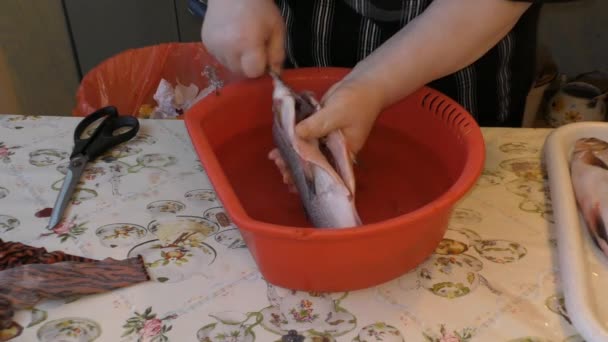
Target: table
(493, 278)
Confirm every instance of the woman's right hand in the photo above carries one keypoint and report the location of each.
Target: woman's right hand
(246, 36)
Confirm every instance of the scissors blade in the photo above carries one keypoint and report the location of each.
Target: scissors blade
(72, 177)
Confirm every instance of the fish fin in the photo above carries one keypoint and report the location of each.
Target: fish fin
(593, 160)
(335, 150)
(311, 98)
(304, 108)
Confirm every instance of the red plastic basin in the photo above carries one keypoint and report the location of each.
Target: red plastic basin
(423, 155)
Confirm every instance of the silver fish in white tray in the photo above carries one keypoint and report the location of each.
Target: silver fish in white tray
(322, 169)
(589, 174)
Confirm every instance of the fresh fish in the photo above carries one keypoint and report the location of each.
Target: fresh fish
(322, 169)
(589, 173)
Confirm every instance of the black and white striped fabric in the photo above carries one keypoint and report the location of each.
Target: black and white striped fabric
(342, 32)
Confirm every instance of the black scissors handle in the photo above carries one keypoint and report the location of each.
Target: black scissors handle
(103, 137)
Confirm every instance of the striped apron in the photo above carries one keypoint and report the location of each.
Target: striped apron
(340, 33)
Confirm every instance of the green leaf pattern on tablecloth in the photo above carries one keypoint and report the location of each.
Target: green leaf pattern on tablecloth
(18, 122)
(522, 160)
(453, 271)
(67, 229)
(111, 164)
(69, 328)
(8, 223)
(444, 335)
(47, 157)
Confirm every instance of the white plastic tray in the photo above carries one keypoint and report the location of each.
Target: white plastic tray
(583, 268)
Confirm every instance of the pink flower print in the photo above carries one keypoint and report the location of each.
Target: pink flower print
(64, 227)
(304, 312)
(92, 173)
(152, 328)
(67, 229)
(5, 152)
(450, 337)
(148, 327)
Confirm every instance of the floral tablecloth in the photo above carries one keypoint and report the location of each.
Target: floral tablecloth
(493, 278)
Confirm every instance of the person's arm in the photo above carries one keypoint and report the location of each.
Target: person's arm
(448, 36)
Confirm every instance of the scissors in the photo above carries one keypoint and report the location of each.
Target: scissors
(108, 134)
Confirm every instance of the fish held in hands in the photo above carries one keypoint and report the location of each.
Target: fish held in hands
(320, 169)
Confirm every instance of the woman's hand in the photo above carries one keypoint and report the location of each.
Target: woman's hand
(351, 105)
(247, 37)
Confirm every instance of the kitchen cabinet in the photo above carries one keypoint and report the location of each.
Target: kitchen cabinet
(101, 29)
(47, 46)
(38, 75)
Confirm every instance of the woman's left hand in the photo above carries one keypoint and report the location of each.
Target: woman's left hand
(351, 106)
